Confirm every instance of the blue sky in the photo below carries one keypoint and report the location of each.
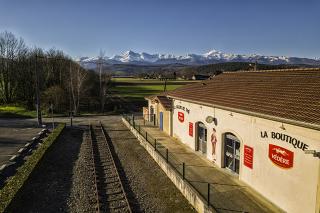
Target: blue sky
(82, 28)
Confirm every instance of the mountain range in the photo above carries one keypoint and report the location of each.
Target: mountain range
(211, 57)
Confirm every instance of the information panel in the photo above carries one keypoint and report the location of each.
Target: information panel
(248, 156)
(191, 129)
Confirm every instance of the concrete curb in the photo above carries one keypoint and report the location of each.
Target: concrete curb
(194, 198)
(3, 167)
(13, 158)
(24, 151)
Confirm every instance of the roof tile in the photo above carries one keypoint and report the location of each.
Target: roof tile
(289, 94)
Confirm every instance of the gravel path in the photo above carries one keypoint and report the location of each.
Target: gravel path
(150, 190)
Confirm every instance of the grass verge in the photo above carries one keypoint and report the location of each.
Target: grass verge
(16, 182)
(16, 112)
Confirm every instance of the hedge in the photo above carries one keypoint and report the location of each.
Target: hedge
(16, 182)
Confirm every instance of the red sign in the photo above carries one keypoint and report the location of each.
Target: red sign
(280, 156)
(191, 129)
(181, 116)
(248, 156)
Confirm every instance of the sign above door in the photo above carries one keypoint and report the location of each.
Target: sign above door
(181, 117)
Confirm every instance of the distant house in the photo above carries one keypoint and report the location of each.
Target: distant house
(200, 77)
(122, 76)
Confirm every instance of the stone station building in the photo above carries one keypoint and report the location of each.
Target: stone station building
(261, 126)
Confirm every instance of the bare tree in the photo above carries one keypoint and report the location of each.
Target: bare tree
(11, 49)
(102, 85)
(77, 78)
(104, 89)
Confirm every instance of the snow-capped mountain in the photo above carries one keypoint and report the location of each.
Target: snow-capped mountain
(211, 57)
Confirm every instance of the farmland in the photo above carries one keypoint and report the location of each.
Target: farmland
(133, 90)
(136, 88)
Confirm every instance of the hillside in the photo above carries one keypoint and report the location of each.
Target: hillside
(185, 70)
(231, 66)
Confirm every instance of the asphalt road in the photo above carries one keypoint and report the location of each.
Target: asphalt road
(14, 134)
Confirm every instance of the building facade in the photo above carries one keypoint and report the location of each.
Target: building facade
(267, 155)
(160, 108)
(260, 130)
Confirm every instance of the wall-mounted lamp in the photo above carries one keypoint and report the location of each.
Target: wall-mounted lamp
(313, 152)
(282, 127)
(215, 121)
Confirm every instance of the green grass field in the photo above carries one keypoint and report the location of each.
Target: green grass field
(132, 92)
(7, 111)
(141, 91)
(150, 81)
(140, 88)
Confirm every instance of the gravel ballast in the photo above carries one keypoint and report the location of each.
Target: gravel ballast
(151, 189)
(60, 183)
(64, 182)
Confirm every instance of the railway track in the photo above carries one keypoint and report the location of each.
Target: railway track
(109, 190)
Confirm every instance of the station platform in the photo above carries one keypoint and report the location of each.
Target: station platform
(227, 192)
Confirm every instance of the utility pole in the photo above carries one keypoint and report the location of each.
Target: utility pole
(51, 109)
(38, 93)
(70, 97)
(100, 74)
(165, 85)
(100, 64)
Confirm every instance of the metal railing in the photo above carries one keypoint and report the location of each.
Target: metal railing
(179, 166)
(208, 191)
(146, 119)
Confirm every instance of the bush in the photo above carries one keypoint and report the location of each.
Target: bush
(57, 96)
(16, 182)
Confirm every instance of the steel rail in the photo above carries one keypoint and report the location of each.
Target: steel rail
(104, 153)
(117, 172)
(94, 170)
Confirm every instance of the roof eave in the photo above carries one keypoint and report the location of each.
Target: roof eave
(256, 114)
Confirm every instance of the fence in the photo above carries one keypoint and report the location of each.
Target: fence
(144, 120)
(204, 189)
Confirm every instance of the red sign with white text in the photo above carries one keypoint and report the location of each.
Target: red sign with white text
(190, 129)
(181, 117)
(280, 156)
(248, 156)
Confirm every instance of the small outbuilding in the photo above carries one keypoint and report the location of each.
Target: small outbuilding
(160, 109)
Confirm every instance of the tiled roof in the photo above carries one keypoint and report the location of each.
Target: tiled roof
(165, 102)
(288, 94)
(151, 97)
